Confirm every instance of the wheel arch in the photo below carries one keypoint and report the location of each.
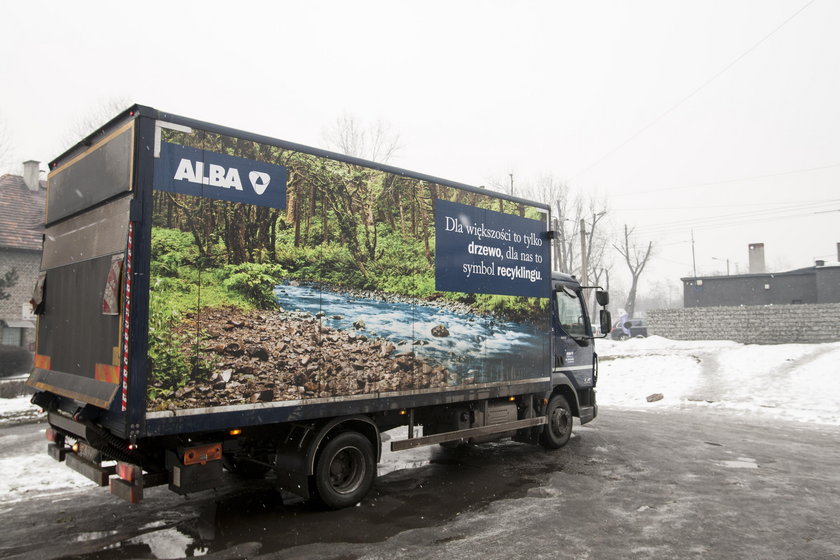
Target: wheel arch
(566, 389)
(360, 424)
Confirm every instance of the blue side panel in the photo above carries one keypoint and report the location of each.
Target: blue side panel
(487, 252)
(186, 170)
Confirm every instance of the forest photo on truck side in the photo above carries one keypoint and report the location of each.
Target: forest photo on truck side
(278, 275)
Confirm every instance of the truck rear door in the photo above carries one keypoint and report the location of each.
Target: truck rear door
(80, 295)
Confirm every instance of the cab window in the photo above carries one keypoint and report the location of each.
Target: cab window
(570, 312)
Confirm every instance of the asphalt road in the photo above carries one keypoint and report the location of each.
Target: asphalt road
(678, 484)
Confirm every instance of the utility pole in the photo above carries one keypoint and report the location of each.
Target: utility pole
(511, 183)
(583, 263)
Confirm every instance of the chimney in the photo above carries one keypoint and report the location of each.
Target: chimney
(820, 263)
(838, 252)
(32, 175)
(757, 258)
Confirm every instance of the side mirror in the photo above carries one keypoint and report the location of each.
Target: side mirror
(603, 298)
(606, 321)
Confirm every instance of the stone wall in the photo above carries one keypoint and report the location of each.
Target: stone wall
(771, 324)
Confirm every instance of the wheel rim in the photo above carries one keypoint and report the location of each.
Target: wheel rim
(559, 421)
(347, 470)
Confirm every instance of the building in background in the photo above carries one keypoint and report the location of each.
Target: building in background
(21, 225)
(816, 284)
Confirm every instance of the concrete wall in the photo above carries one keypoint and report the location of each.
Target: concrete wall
(828, 283)
(772, 324)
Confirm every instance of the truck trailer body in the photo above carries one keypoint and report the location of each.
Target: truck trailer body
(213, 298)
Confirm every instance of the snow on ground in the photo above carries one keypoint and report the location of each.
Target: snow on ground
(18, 409)
(786, 381)
(790, 381)
(26, 469)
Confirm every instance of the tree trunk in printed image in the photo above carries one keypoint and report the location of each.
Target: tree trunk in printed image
(425, 223)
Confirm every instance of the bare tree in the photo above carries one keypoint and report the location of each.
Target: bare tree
(575, 218)
(376, 142)
(636, 260)
(98, 115)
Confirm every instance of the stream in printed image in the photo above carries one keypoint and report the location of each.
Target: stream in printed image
(479, 349)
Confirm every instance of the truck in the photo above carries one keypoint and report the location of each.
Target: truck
(215, 300)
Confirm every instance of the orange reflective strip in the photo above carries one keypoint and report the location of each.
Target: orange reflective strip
(212, 452)
(107, 373)
(42, 362)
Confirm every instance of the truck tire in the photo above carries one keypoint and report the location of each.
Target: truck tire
(345, 470)
(558, 428)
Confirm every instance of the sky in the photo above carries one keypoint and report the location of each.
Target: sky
(717, 120)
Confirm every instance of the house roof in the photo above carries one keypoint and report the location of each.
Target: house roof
(21, 214)
(796, 272)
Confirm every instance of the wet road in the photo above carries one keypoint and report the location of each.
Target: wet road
(677, 484)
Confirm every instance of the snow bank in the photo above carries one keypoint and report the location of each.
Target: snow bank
(26, 469)
(18, 409)
(793, 381)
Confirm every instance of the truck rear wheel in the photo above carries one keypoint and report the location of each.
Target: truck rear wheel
(345, 470)
(559, 418)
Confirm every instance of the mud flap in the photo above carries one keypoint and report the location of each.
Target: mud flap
(291, 472)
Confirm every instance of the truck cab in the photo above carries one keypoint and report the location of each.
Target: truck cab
(574, 360)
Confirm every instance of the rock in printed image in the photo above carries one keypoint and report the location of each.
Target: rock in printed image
(265, 356)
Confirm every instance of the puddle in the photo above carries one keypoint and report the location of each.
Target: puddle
(169, 543)
(740, 463)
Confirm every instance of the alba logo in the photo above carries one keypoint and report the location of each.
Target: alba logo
(196, 172)
(218, 176)
(259, 181)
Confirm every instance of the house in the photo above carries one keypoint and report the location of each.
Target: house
(21, 225)
(816, 284)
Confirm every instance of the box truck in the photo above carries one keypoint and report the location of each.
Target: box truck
(213, 299)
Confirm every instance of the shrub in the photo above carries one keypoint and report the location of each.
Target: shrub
(255, 282)
(172, 249)
(170, 367)
(14, 359)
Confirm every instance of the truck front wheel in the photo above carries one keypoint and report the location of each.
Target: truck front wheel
(345, 470)
(558, 428)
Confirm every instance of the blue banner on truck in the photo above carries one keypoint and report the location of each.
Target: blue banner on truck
(192, 171)
(487, 252)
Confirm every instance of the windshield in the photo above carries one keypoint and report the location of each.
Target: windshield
(570, 313)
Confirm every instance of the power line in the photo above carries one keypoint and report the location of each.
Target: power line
(726, 181)
(694, 207)
(693, 92)
(738, 218)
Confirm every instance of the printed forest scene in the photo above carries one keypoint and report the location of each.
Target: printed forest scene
(330, 293)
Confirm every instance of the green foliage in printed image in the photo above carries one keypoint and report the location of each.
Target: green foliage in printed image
(254, 281)
(344, 225)
(172, 249)
(515, 308)
(170, 364)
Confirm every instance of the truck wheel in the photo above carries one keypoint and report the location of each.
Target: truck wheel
(558, 430)
(345, 470)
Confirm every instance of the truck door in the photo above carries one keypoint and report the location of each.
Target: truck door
(571, 336)
(81, 289)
